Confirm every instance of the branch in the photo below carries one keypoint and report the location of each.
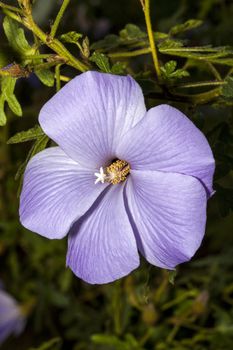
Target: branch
(146, 9)
(52, 43)
(58, 18)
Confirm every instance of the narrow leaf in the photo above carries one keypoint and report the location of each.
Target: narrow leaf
(171, 276)
(28, 135)
(7, 87)
(131, 31)
(14, 105)
(227, 89)
(71, 37)
(2, 113)
(52, 344)
(16, 36)
(188, 25)
(101, 61)
(45, 76)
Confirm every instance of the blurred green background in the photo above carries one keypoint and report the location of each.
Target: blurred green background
(144, 310)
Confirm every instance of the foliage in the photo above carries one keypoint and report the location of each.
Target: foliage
(191, 308)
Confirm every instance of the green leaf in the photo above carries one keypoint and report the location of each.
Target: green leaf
(39, 145)
(129, 343)
(132, 32)
(220, 55)
(227, 89)
(28, 135)
(8, 85)
(71, 37)
(118, 68)
(2, 112)
(7, 95)
(169, 67)
(169, 71)
(160, 36)
(188, 25)
(16, 37)
(52, 344)
(101, 61)
(111, 340)
(45, 76)
(14, 105)
(170, 44)
(171, 276)
(110, 42)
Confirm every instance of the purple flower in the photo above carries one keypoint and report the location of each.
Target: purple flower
(122, 179)
(12, 320)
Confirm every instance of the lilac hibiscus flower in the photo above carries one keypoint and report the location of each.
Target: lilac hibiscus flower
(122, 179)
(12, 320)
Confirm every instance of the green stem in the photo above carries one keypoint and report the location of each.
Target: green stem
(52, 43)
(199, 84)
(214, 71)
(41, 56)
(57, 77)
(218, 58)
(58, 18)
(64, 78)
(11, 8)
(196, 99)
(130, 53)
(146, 9)
(173, 333)
(117, 307)
(42, 66)
(12, 15)
(204, 97)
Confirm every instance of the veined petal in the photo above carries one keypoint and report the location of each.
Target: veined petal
(88, 116)
(56, 192)
(11, 319)
(169, 214)
(102, 246)
(166, 140)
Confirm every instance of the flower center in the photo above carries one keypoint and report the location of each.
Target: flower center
(114, 173)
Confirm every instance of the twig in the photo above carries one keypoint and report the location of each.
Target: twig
(199, 84)
(11, 8)
(52, 43)
(146, 9)
(130, 53)
(215, 72)
(58, 18)
(57, 77)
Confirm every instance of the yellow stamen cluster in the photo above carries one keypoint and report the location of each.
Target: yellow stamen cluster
(117, 171)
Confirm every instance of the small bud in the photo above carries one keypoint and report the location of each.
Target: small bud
(86, 47)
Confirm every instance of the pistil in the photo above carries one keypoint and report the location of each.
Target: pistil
(115, 173)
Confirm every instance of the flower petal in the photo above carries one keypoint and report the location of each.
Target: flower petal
(88, 116)
(102, 246)
(11, 319)
(56, 192)
(169, 214)
(168, 141)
